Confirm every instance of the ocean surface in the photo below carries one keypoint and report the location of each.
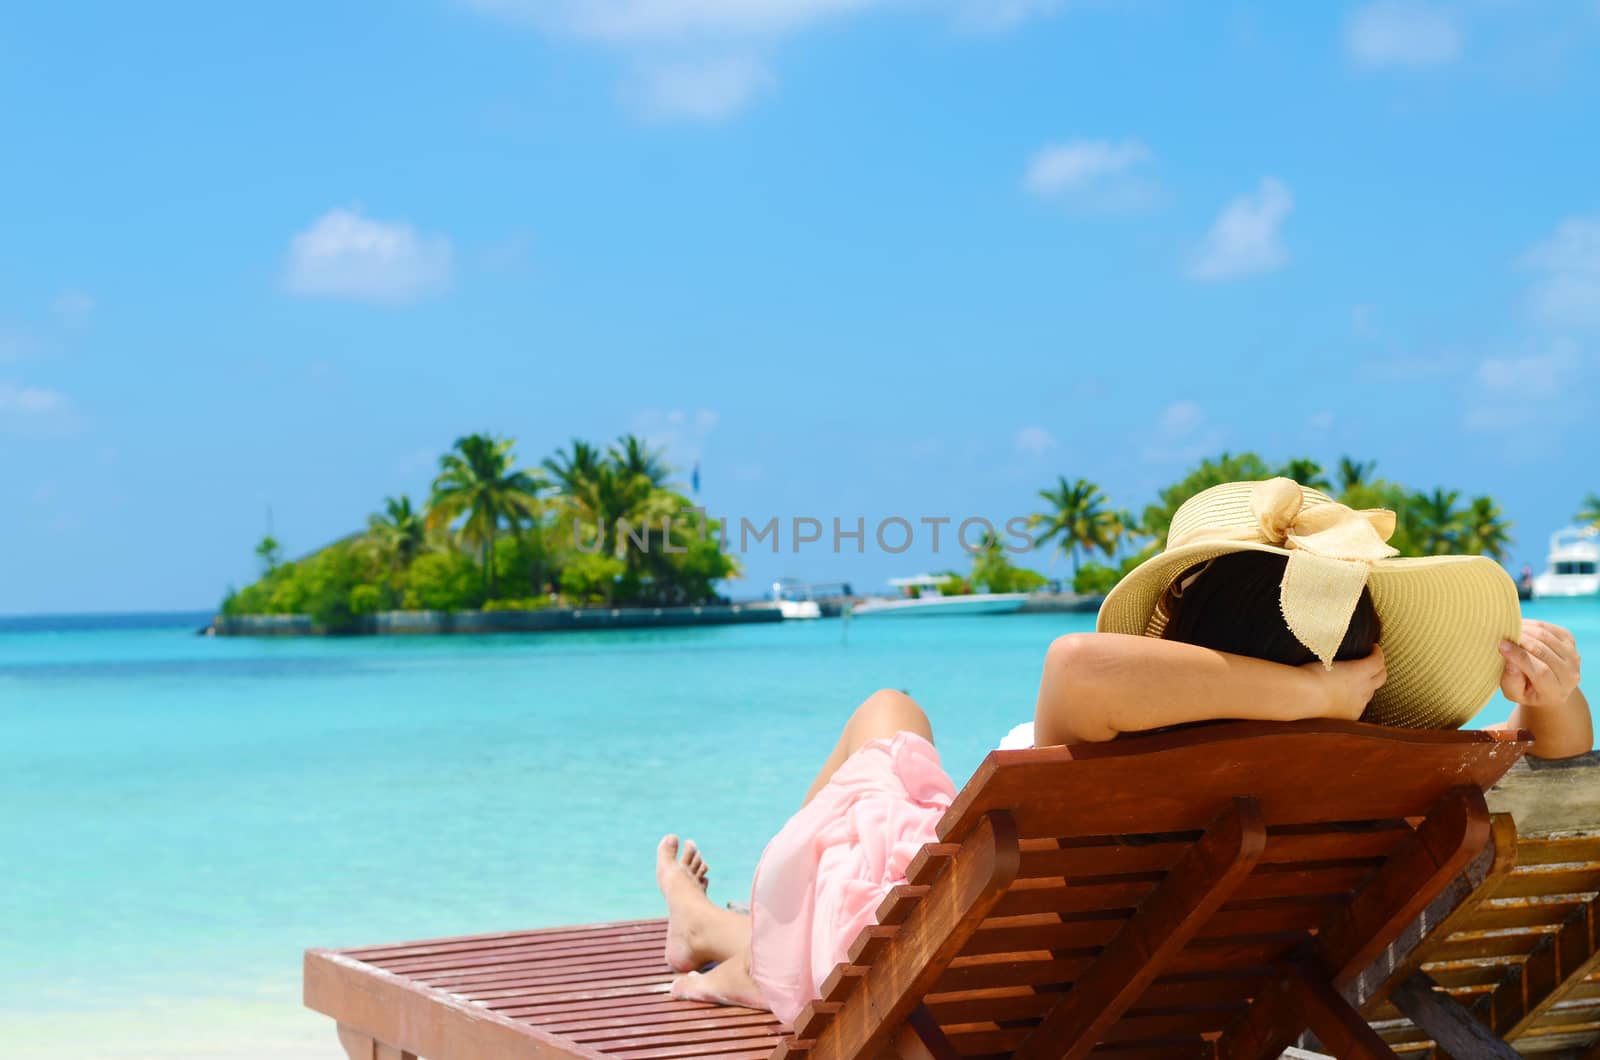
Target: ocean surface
(181, 816)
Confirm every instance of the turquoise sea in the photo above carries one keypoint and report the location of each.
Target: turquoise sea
(183, 815)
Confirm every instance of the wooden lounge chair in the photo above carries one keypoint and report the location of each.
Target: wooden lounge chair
(1507, 961)
(1202, 893)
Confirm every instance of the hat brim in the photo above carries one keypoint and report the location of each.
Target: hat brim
(1443, 620)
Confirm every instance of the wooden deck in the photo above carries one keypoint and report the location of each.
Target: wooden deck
(1521, 953)
(583, 991)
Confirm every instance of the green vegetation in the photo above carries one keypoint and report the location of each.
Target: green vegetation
(588, 527)
(1589, 514)
(270, 553)
(591, 526)
(992, 572)
(1428, 523)
(1077, 520)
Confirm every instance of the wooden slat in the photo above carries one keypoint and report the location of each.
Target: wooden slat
(1500, 914)
(1195, 888)
(379, 954)
(1559, 962)
(1561, 850)
(417, 1020)
(1109, 790)
(1447, 840)
(1544, 880)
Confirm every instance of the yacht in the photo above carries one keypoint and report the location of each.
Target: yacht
(1573, 568)
(794, 599)
(920, 597)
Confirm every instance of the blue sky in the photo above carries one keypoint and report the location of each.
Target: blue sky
(857, 257)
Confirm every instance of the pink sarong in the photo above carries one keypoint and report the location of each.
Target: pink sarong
(821, 878)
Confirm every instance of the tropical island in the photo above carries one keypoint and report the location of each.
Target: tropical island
(587, 528)
(608, 529)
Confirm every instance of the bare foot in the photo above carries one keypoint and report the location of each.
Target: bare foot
(683, 884)
(729, 983)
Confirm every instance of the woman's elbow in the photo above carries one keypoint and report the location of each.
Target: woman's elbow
(1562, 745)
(1068, 710)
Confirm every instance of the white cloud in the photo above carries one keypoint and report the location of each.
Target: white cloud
(1534, 376)
(1320, 421)
(1245, 237)
(1183, 433)
(346, 255)
(656, 31)
(1094, 173)
(633, 21)
(1181, 417)
(1518, 391)
(708, 91)
(1402, 33)
(1075, 164)
(681, 433)
(1034, 441)
(997, 15)
(34, 411)
(1567, 293)
(73, 308)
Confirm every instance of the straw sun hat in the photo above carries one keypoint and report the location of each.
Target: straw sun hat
(1443, 616)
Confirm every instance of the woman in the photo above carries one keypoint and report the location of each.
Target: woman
(1269, 603)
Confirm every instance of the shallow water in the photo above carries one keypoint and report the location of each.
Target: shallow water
(183, 815)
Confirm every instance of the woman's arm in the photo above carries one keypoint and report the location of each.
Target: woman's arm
(1098, 685)
(1541, 678)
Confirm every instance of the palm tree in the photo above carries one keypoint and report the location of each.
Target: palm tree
(1354, 473)
(604, 490)
(400, 532)
(477, 480)
(270, 553)
(1307, 472)
(1484, 530)
(1077, 519)
(570, 469)
(1436, 522)
(633, 456)
(1589, 514)
(575, 473)
(1124, 528)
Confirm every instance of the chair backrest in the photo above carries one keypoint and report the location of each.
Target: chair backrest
(1151, 893)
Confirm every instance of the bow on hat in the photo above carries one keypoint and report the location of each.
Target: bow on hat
(1331, 547)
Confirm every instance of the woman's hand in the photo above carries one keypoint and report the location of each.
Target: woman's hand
(1541, 678)
(1349, 686)
(1543, 670)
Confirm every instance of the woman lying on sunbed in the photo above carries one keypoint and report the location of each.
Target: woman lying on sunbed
(1269, 603)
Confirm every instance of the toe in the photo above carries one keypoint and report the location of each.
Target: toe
(666, 851)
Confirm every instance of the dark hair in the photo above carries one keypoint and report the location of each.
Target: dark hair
(1232, 606)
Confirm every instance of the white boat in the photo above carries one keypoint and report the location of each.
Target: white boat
(794, 599)
(1573, 568)
(921, 599)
